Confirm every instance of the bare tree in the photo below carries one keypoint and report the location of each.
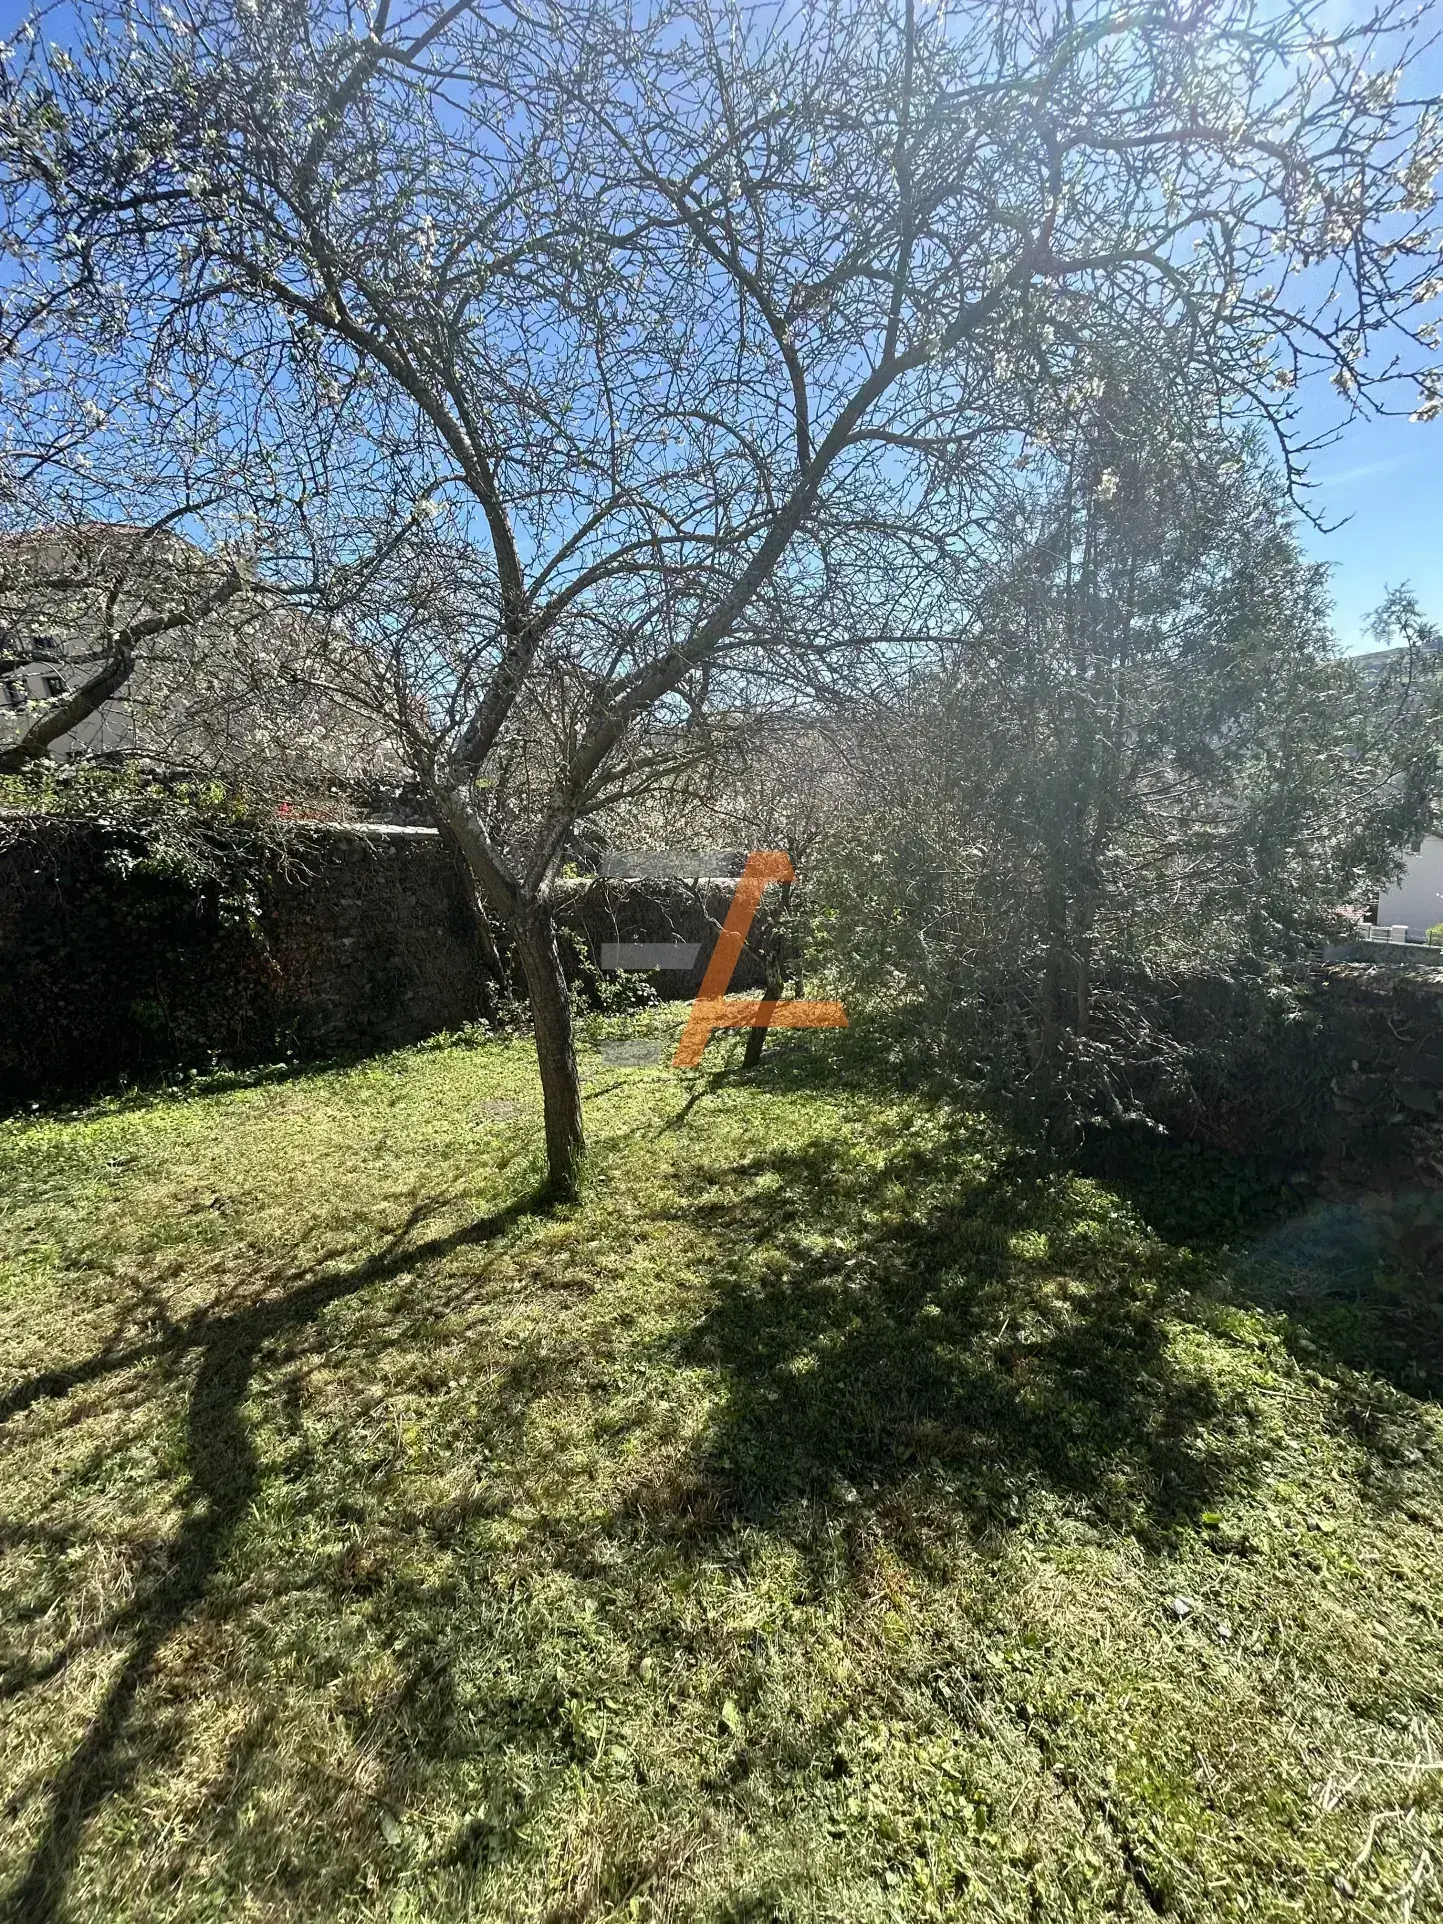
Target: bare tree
(94, 598)
(684, 343)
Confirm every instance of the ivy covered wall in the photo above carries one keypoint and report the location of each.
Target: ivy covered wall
(117, 958)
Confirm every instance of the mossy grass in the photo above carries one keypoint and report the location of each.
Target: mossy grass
(832, 1513)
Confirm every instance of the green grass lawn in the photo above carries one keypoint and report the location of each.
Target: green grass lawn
(830, 1516)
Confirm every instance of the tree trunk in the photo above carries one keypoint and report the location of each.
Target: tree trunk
(776, 954)
(1055, 1094)
(555, 1047)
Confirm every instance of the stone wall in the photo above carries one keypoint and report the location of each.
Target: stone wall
(602, 911)
(1385, 1092)
(363, 939)
(360, 939)
(1345, 1072)
(112, 966)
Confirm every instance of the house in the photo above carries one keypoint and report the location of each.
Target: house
(1415, 901)
(60, 588)
(31, 671)
(245, 696)
(38, 669)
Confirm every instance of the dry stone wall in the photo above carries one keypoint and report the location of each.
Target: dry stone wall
(366, 939)
(1345, 1072)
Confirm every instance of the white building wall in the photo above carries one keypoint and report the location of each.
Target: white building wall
(24, 689)
(1418, 898)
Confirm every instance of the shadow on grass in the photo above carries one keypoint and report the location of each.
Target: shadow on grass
(928, 1337)
(1187, 1193)
(121, 1094)
(995, 1330)
(1356, 1300)
(224, 1481)
(1010, 1332)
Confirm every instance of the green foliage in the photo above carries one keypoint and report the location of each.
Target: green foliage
(593, 990)
(196, 831)
(833, 1515)
(141, 894)
(1140, 761)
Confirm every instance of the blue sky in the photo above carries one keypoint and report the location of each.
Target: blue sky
(1383, 480)
(1380, 482)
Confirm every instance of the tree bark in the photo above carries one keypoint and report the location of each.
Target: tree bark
(777, 946)
(555, 1047)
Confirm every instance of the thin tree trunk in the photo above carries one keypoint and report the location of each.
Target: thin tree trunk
(555, 1047)
(776, 953)
(1059, 1001)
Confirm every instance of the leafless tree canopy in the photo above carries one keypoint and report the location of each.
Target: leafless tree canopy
(606, 365)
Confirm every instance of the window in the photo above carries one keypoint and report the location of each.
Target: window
(15, 694)
(55, 684)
